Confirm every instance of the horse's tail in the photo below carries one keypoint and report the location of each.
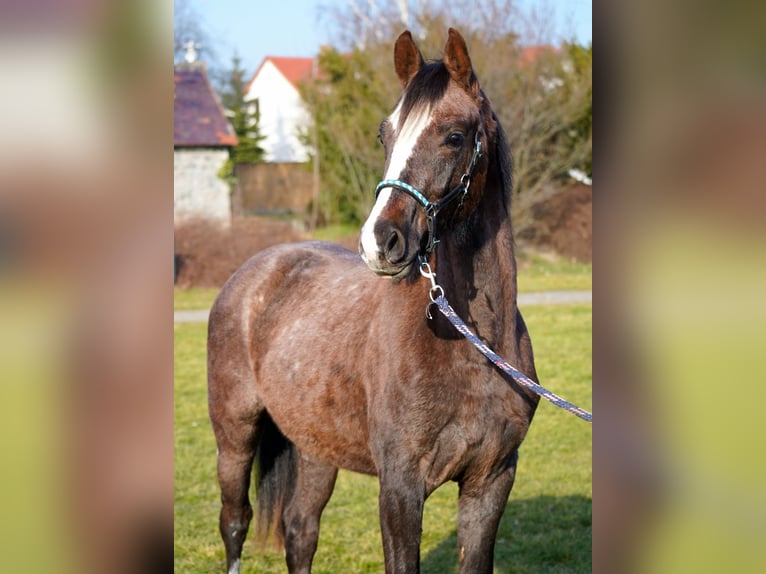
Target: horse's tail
(275, 470)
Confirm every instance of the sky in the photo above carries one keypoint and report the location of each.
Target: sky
(295, 28)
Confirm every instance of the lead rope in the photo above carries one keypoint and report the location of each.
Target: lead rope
(436, 293)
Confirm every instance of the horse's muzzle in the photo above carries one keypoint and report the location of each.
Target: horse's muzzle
(391, 238)
(381, 266)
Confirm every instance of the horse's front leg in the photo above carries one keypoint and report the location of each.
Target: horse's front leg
(401, 500)
(480, 507)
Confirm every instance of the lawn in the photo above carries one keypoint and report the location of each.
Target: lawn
(541, 273)
(193, 298)
(546, 527)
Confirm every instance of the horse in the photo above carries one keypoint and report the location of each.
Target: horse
(319, 359)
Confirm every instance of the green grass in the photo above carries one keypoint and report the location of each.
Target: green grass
(193, 298)
(546, 527)
(538, 273)
(337, 232)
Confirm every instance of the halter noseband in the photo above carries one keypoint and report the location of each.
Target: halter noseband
(432, 209)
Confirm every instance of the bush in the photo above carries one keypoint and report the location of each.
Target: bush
(207, 253)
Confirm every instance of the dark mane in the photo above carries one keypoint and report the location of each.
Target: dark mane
(504, 161)
(428, 85)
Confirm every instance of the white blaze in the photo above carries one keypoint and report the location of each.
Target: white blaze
(400, 155)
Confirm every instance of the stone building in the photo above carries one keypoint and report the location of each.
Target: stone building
(202, 139)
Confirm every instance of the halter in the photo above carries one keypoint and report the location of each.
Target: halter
(432, 209)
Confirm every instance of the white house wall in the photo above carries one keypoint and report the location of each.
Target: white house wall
(197, 189)
(283, 115)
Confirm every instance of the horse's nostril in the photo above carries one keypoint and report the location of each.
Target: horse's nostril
(392, 241)
(394, 247)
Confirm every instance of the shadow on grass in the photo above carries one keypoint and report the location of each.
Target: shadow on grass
(536, 535)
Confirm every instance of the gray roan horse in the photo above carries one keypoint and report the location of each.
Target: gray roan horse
(317, 361)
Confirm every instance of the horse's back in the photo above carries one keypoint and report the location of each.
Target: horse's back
(267, 286)
(277, 272)
(282, 264)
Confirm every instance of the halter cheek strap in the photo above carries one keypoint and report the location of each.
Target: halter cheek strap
(432, 209)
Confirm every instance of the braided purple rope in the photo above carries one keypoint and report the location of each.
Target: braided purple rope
(503, 365)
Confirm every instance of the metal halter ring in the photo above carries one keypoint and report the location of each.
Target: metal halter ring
(436, 290)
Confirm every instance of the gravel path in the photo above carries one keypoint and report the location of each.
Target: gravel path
(555, 298)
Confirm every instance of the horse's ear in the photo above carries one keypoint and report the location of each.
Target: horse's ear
(457, 61)
(407, 58)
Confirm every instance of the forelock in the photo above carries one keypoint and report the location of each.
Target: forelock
(426, 88)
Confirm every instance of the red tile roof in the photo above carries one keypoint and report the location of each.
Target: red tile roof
(530, 54)
(198, 118)
(296, 70)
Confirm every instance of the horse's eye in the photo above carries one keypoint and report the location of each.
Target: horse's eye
(455, 140)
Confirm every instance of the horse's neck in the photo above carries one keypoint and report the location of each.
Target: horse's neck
(477, 268)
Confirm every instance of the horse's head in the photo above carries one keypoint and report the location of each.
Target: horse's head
(435, 162)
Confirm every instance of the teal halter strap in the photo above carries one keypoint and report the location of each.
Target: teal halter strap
(432, 209)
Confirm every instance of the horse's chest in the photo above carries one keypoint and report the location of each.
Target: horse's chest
(462, 449)
(453, 427)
